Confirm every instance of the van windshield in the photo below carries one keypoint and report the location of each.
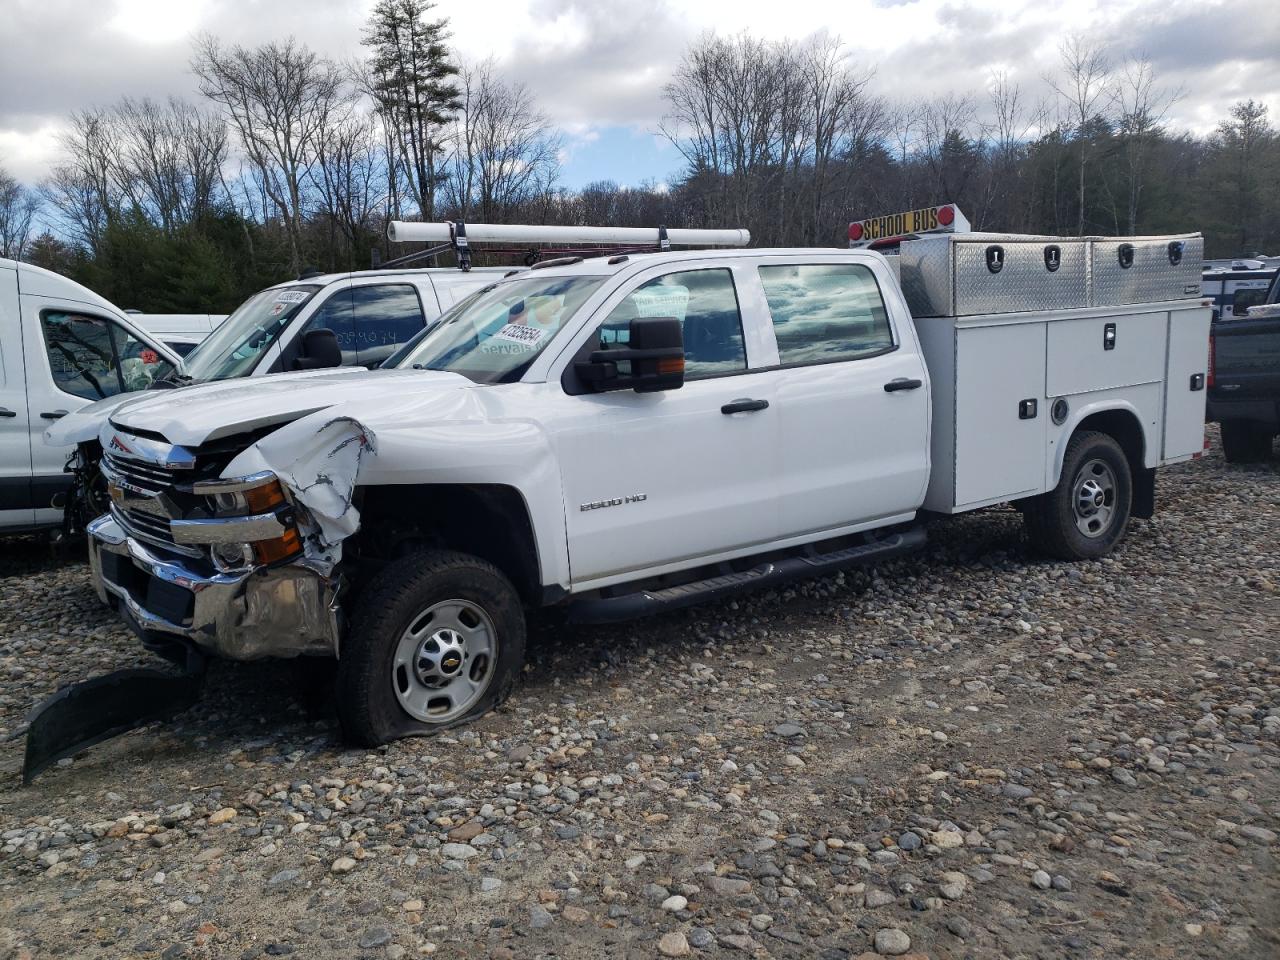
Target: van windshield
(493, 335)
(234, 347)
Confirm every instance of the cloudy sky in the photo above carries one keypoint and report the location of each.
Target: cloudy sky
(597, 67)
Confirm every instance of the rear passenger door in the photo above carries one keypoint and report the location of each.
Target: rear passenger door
(852, 396)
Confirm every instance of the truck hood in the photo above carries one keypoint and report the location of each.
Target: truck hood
(197, 414)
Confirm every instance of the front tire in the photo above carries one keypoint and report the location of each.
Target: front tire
(435, 641)
(1087, 513)
(1246, 441)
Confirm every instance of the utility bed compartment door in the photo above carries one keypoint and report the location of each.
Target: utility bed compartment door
(1185, 390)
(1099, 353)
(999, 447)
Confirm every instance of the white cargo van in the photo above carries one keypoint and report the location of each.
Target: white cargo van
(61, 347)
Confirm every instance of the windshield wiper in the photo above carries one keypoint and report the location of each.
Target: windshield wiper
(175, 378)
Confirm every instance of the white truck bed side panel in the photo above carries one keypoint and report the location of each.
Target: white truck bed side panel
(1184, 405)
(998, 453)
(1079, 361)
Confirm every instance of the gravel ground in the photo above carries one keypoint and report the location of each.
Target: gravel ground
(968, 753)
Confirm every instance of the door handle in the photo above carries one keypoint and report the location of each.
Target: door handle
(6, 412)
(902, 383)
(54, 415)
(744, 406)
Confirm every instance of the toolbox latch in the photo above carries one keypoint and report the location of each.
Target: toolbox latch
(1027, 409)
(1109, 337)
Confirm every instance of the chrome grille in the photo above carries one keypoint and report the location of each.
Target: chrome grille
(150, 524)
(150, 477)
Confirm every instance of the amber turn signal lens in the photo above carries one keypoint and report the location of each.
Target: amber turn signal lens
(269, 551)
(265, 498)
(671, 365)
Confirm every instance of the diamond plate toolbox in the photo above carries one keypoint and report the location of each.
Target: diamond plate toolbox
(970, 274)
(1145, 269)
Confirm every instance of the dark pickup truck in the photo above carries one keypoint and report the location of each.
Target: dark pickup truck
(1244, 379)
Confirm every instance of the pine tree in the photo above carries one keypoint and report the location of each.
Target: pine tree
(412, 80)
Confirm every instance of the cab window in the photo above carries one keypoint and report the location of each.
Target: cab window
(370, 322)
(826, 312)
(705, 301)
(386, 315)
(93, 357)
(1244, 299)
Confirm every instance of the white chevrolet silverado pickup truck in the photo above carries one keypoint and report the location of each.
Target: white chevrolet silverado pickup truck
(626, 435)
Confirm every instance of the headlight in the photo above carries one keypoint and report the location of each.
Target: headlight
(262, 501)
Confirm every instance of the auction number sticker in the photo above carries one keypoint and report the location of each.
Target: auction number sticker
(291, 296)
(519, 333)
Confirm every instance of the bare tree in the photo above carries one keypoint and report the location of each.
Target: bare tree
(83, 188)
(167, 158)
(949, 143)
(1083, 88)
(504, 152)
(1141, 108)
(281, 99)
(348, 176)
(18, 208)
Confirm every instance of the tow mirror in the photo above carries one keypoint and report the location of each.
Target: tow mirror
(652, 360)
(320, 350)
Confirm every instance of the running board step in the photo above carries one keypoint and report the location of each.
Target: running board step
(770, 573)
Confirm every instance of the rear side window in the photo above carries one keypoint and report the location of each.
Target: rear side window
(825, 312)
(93, 358)
(705, 301)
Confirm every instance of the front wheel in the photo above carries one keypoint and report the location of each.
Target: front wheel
(1087, 513)
(437, 640)
(1245, 441)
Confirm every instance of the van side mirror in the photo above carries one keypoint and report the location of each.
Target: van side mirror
(652, 360)
(320, 350)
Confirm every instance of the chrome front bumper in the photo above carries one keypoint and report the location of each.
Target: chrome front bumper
(283, 611)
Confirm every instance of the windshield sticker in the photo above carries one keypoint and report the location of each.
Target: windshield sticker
(291, 296)
(519, 333)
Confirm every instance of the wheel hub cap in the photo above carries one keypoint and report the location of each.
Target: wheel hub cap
(444, 661)
(1094, 498)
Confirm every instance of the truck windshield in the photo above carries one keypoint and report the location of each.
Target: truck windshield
(494, 334)
(234, 347)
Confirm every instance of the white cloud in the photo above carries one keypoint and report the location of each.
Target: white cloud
(593, 64)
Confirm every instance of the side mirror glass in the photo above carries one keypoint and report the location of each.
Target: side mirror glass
(320, 350)
(652, 360)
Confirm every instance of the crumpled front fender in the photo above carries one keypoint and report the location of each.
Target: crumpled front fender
(319, 460)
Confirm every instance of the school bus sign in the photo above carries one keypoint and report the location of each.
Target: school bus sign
(945, 218)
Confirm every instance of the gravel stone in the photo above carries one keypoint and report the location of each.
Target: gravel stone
(967, 717)
(892, 942)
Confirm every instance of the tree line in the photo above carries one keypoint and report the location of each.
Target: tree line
(291, 160)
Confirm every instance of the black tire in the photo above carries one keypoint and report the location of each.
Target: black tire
(1246, 441)
(1052, 521)
(369, 706)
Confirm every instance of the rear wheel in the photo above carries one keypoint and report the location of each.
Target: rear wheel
(1246, 441)
(1087, 513)
(436, 641)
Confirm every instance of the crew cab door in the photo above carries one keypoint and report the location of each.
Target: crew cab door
(75, 354)
(654, 481)
(853, 397)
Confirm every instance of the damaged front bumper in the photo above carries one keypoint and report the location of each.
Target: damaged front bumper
(286, 610)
